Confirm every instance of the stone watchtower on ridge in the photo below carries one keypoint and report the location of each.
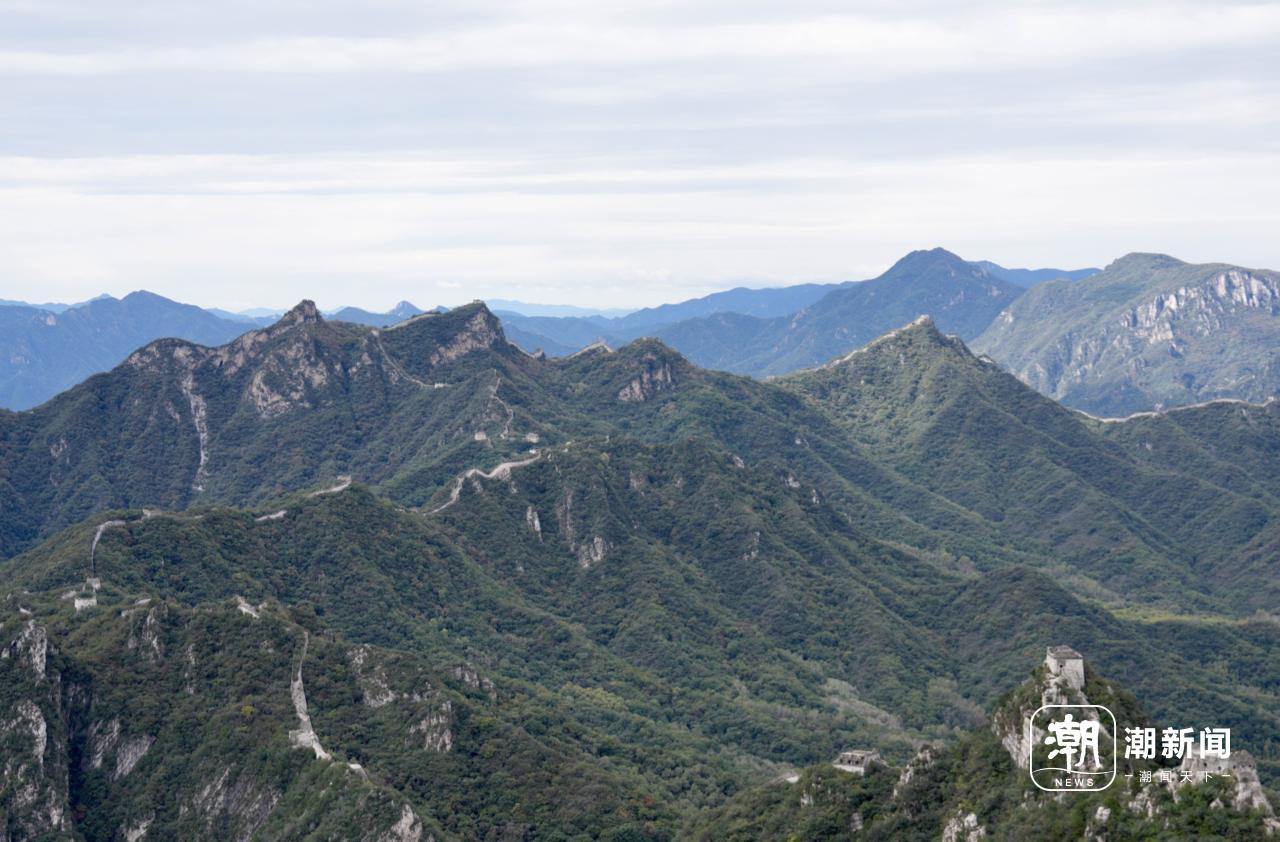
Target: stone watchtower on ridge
(1068, 663)
(856, 760)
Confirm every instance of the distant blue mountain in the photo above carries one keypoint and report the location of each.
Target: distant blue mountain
(52, 306)
(776, 330)
(47, 348)
(962, 298)
(574, 332)
(403, 310)
(43, 352)
(1031, 277)
(258, 317)
(524, 308)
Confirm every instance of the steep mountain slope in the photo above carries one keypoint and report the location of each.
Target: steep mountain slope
(979, 787)
(179, 423)
(657, 626)
(744, 330)
(961, 297)
(913, 439)
(43, 353)
(976, 435)
(407, 408)
(157, 721)
(1147, 332)
(677, 583)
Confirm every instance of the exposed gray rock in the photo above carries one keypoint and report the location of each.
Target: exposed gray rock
(305, 735)
(963, 827)
(1062, 684)
(1241, 768)
(925, 758)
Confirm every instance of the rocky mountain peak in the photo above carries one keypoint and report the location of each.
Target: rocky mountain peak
(427, 340)
(923, 323)
(1148, 332)
(405, 309)
(921, 328)
(304, 312)
(475, 325)
(1059, 681)
(919, 333)
(657, 368)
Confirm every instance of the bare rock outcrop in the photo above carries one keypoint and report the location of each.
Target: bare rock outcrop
(655, 376)
(963, 827)
(1061, 682)
(34, 773)
(1241, 769)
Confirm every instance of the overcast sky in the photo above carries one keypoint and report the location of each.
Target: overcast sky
(243, 153)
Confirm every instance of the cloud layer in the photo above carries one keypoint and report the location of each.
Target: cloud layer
(617, 154)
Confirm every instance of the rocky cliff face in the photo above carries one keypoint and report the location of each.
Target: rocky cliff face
(34, 778)
(131, 739)
(978, 788)
(1056, 682)
(1061, 680)
(1244, 789)
(654, 377)
(1148, 332)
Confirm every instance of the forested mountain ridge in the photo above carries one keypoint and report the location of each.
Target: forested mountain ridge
(406, 408)
(179, 423)
(678, 583)
(588, 667)
(1099, 498)
(601, 640)
(913, 436)
(1148, 331)
(47, 349)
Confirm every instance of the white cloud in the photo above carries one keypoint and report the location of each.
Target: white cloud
(1001, 37)
(496, 237)
(615, 153)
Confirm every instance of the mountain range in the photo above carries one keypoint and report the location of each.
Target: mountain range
(413, 582)
(960, 297)
(50, 347)
(1149, 331)
(1031, 277)
(400, 312)
(764, 332)
(43, 352)
(47, 349)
